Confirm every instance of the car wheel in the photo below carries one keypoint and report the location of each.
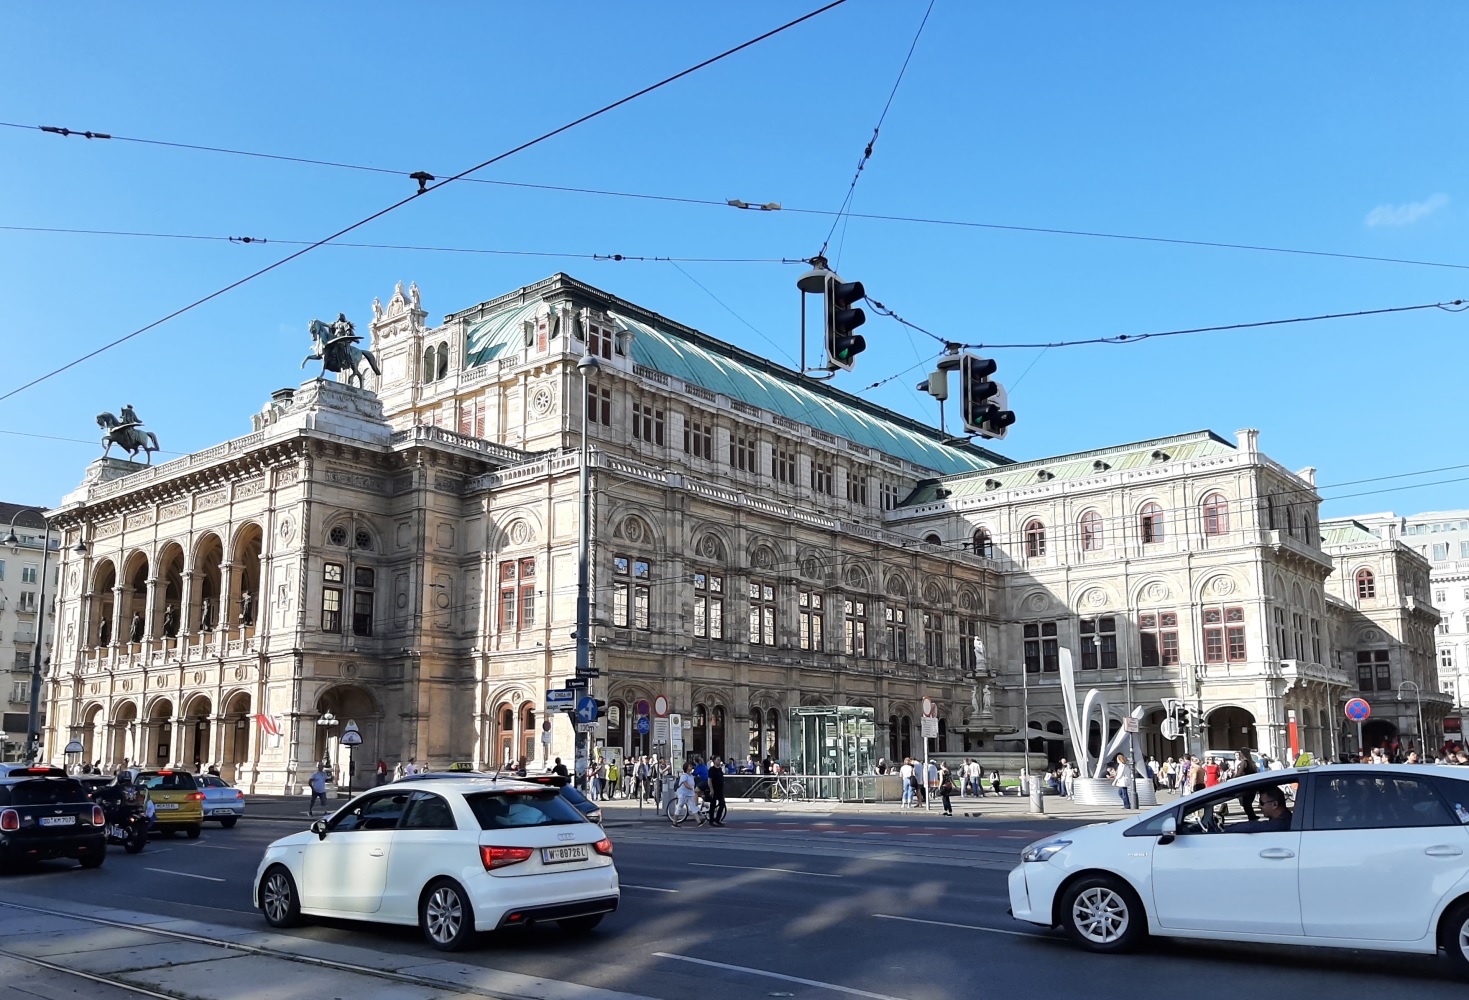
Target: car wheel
(93, 859)
(229, 821)
(580, 925)
(1103, 914)
(1453, 937)
(445, 916)
(280, 904)
(194, 831)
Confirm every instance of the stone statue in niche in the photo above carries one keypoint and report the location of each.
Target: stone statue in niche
(206, 615)
(135, 633)
(104, 631)
(247, 608)
(170, 623)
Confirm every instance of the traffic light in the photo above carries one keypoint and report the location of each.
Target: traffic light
(842, 317)
(1183, 716)
(983, 402)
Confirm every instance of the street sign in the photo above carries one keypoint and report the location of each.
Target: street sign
(586, 727)
(1170, 729)
(642, 707)
(930, 727)
(546, 735)
(586, 711)
(561, 701)
(660, 706)
(643, 725)
(1358, 710)
(660, 731)
(545, 725)
(1129, 725)
(350, 736)
(928, 710)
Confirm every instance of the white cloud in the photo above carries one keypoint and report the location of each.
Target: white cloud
(1407, 213)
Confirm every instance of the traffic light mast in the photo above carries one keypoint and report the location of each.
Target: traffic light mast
(841, 316)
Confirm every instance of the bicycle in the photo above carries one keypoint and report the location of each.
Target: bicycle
(785, 787)
(679, 812)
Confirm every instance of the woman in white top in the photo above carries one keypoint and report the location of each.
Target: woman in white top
(687, 793)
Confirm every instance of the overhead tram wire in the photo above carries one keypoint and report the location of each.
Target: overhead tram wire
(774, 206)
(262, 240)
(431, 188)
(867, 152)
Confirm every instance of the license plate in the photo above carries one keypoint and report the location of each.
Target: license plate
(165, 805)
(561, 855)
(58, 821)
(224, 812)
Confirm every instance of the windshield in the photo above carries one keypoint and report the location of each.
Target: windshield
(178, 781)
(510, 811)
(46, 792)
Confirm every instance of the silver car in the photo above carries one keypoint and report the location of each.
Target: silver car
(222, 801)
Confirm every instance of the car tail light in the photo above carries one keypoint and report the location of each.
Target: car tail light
(500, 857)
(239, 794)
(9, 820)
(603, 846)
(196, 796)
(97, 818)
(164, 772)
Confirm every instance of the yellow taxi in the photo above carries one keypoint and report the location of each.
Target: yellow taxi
(178, 801)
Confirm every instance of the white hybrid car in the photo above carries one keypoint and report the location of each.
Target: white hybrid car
(453, 856)
(1356, 856)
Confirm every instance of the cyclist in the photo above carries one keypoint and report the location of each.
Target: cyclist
(688, 793)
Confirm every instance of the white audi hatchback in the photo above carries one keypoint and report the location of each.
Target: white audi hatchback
(1357, 856)
(453, 856)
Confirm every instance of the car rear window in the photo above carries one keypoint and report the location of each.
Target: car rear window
(178, 781)
(572, 795)
(514, 810)
(46, 792)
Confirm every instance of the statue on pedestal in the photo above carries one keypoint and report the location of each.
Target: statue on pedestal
(135, 633)
(247, 608)
(334, 345)
(104, 631)
(124, 432)
(170, 623)
(206, 610)
(981, 698)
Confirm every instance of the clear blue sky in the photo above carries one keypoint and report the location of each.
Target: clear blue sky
(1333, 127)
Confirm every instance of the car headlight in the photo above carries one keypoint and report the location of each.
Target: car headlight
(1044, 850)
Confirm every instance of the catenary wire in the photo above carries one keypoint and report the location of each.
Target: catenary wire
(430, 188)
(867, 152)
(261, 241)
(774, 206)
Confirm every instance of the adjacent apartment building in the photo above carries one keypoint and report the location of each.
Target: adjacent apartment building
(20, 617)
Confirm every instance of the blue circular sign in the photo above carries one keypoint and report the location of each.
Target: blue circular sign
(1358, 710)
(643, 725)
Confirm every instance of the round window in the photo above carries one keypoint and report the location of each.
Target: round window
(338, 535)
(364, 540)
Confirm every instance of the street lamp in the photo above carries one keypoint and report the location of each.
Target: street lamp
(1417, 693)
(587, 367)
(327, 722)
(33, 741)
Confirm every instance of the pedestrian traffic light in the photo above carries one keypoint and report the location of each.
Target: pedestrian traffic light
(842, 317)
(983, 402)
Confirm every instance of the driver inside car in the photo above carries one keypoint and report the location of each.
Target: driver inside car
(1277, 817)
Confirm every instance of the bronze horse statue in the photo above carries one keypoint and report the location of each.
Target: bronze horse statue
(127, 436)
(335, 349)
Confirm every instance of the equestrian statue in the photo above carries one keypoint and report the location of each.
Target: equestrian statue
(125, 432)
(334, 345)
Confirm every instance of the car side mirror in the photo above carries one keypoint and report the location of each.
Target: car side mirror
(319, 828)
(1167, 831)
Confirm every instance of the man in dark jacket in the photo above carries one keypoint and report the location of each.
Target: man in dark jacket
(717, 805)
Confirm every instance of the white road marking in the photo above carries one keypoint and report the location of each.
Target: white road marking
(165, 871)
(650, 888)
(749, 868)
(776, 975)
(967, 927)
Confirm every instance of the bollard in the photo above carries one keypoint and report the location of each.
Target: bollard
(1037, 795)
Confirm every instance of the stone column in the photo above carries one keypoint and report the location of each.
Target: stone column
(217, 734)
(118, 635)
(187, 616)
(227, 609)
(150, 609)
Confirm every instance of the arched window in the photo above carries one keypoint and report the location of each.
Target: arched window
(893, 739)
(1366, 584)
(1290, 519)
(528, 731)
(505, 733)
(699, 745)
(616, 713)
(1035, 539)
(1150, 523)
(933, 539)
(716, 733)
(772, 733)
(1091, 532)
(1216, 514)
(430, 365)
(443, 369)
(983, 544)
(905, 736)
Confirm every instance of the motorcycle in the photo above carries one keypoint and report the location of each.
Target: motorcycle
(125, 825)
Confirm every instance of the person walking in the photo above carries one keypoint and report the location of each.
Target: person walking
(382, 771)
(317, 782)
(717, 806)
(905, 774)
(946, 788)
(1122, 781)
(614, 779)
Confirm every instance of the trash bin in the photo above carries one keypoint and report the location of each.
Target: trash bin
(1037, 794)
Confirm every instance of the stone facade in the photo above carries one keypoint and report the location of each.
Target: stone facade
(760, 543)
(20, 618)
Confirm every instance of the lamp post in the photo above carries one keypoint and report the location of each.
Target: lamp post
(587, 367)
(326, 723)
(1418, 694)
(33, 738)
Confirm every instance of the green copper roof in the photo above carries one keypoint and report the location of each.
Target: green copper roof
(701, 360)
(1080, 465)
(1347, 532)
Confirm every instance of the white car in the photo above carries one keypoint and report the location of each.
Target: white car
(1355, 856)
(453, 856)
